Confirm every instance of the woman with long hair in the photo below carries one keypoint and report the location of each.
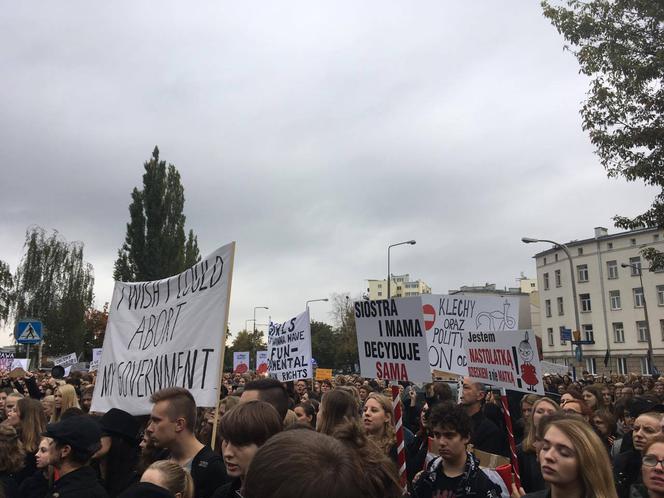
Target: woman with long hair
(12, 456)
(526, 451)
(306, 413)
(38, 484)
(337, 407)
(64, 398)
(604, 424)
(573, 461)
(31, 425)
(593, 397)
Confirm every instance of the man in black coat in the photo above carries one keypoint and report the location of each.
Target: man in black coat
(485, 435)
(75, 440)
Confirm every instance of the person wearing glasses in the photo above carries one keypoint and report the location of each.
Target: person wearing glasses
(652, 471)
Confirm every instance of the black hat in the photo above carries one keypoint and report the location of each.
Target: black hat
(79, 432)
(637, 406)
(120, 423)
(57, 372)
(146, 490)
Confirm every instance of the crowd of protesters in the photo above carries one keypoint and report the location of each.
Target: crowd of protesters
(594, 437)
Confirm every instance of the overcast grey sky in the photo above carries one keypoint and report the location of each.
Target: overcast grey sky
(312, 133)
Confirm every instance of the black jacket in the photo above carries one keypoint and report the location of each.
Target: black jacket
(229, 490)
(208, 472)
(626, 471)
(35, 486)
(79, 483)
(486, 436)
(530, 471)
(474, 483)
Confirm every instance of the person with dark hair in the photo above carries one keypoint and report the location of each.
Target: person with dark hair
(74, 441)
(172, 424)
(456, 472)
(485, 435)
(12, 456)
(306, 413)
(118, 456)
(299, 462)
(244, 429)
(337, 407)
(270, 390)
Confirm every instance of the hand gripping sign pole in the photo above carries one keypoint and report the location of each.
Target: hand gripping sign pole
(223, 350)
(401, 447)
(510, 437)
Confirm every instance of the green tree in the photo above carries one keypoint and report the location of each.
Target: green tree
(6, 291)
(95, 328)
(245, 340)
(346, 336)
(54, 284)
(155, 246)
(323, 344)
(619, 45)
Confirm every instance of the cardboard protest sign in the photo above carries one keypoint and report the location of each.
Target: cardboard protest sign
(23, 363)
(323, 373)
(391, 341)
(166, 333)
(240, 362)
(6, 360)
(96, 358)
(506, 359)
(261, 362)
(66, 361)
(289, 349)
(447, 319)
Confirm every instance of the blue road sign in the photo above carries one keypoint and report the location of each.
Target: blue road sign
(28, 332)
(566, 334)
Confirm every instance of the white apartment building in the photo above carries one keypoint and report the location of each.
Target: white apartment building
(401, 286)
(611, 301)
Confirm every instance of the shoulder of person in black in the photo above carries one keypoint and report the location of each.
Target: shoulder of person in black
(79, 483)
(626, 471)
(208, 472)
(35, 486)
(228, 490)
(486, 436)
(9, 486)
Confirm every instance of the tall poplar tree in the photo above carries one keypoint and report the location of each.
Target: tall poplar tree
(54, 284)
(155, 245)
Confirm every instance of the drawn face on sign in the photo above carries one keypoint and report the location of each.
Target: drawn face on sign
(526, 351)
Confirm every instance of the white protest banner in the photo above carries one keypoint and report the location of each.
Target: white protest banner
(96, 358)
(66, 361)
(447, 319)
(6, 360)
(506, 359)
(289, 349)
(23, 363)
(240, 362)
(390, 339)
(166, 333)
(554, 368)
(261, 362)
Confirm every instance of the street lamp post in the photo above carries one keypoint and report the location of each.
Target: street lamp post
(258, 308)
(315, 301)
(530, 240)
(645, 311)
(389, 277)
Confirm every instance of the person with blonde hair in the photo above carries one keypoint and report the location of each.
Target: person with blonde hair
(64, 398)
(170, 476)
(573, 461)
(378, 422)
(526, 453)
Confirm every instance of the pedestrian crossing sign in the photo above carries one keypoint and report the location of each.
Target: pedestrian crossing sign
(28, 332)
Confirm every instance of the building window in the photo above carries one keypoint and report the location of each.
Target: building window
(545, 278)
(618, 332)
(632, 241)
(555, 257)
(642, 329)
(588, 332)
(380, 286)
(544, 259)
(660, 295)
(547, 308)
(638, 297)
(621, 363)
(563, 342)
(585, 303)
(380, 293)
(661, 328)
(609, 245)
(655, 237)
(582, 273)
(635, 265)
(549, 333)
(645, 365)
(591, 365)
(612, 269)
(561, 311)
(559, 282)
(614, 298)
(580, 251)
